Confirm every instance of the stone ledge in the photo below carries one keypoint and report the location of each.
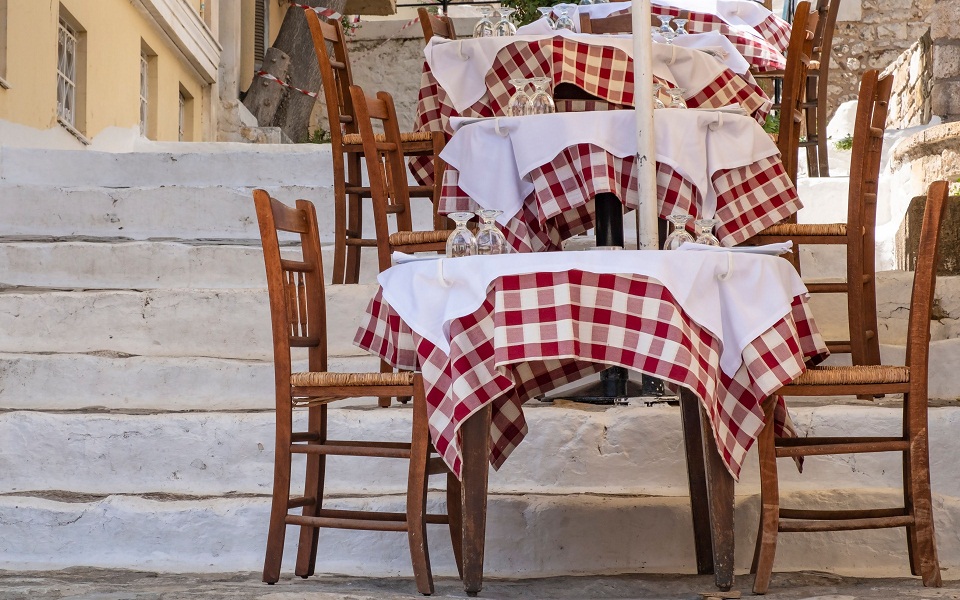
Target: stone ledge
(932, 141)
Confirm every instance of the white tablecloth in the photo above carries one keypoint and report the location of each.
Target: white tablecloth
(461, 66)
(494, 156)
(742, 15)
(735, 297)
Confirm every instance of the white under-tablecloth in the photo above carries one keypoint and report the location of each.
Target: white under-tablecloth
(461, 66)
(733, 296)
(494, 156)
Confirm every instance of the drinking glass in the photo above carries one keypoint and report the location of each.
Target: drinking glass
(704, 229)
(547, 11)
(461, 241)
(519, 102)
(679, 24)
(657, 102)
(504, 26)
(669, 35)
(676, 98)
(664, 23)
(679, 236)
(541, 103)
(585, 2)
(484, 27)
(489, 238)
(564, 20)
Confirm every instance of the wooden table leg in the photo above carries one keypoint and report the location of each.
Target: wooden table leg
(720, 492)
(475, 439)
(697, 479)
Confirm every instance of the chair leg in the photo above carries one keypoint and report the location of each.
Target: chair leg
(920, 538)
(278, 508)
(417, 492)
(769, 503)
(811, 117)
(315, 476)
(354, 219)
(822, 156)
(340, 231)
(454, 509)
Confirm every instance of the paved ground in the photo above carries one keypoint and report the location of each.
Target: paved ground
(98, 584)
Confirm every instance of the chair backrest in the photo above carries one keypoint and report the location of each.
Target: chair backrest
(924, 283)
(386, 167)
(794, 86)
(435, 25)
(335, 75)
(297, 301)
(872, 104)
(616, 23)
(823, 36)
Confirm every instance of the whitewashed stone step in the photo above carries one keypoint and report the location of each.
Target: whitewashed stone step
(228, 323)
(631, 450)
(116, 382)
(146, 265)
(527, 536)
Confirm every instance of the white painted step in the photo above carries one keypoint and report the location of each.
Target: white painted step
(632, 450)
(526, 536)
(146, 265)
(227, 323)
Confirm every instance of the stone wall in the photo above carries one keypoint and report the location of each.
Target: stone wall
(945, 32)
(912, 85)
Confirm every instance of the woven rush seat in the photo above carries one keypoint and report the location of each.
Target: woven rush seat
(856, 375)
(409, 238)
(318, 379)
(798, 229)
(407, 136)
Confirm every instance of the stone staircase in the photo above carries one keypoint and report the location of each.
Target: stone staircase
(136, 425)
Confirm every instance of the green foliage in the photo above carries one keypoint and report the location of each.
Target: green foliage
(526, 9)
(350, 24)
(319, 136)
(955, 188)
(845, 143)
(772, 124)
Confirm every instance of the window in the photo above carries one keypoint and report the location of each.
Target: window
(261, 36)
(186, 115)
(3, 45)
(183, 102)
(144, 92)
(67, 74)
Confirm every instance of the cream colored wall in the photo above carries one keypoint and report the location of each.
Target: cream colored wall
(247, 16)
(114, 30)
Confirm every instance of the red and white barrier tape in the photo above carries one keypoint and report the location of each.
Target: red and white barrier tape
(329, 13)
(266, 75)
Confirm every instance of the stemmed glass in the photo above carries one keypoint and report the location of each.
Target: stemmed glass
(519, 102)
(484, 27)
(679, 24)
(546, 11)
(657, 102)
(664, 23)
(676, 97)
(679, 236)
(704, 229)
(541, 103)
(489, 238)
(669, 35)
(461, 241)
(585, 2)
(564, 21)
(504, 26)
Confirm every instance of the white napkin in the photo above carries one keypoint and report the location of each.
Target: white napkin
(716, 41)
(539, 27)
(768, 249)
(735, 299)
(494, 157)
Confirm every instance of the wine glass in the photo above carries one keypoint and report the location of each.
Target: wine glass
(679, 236)
(484, 27)
(669, 35)
(676, 97)
(664, 23)
(547, 11)
(504, 26)
(586, 2)
(461, 241)
(704, 228)
(519, 102)
(564, 20)
(541, 103)
(657, 102)
(679, 24)
(489, 238)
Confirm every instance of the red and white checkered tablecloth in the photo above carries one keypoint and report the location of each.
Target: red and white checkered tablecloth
(749, 199)
(601, 71)
(539, 331)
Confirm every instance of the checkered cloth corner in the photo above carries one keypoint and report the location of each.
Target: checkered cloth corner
(539, 331)
(749, 198)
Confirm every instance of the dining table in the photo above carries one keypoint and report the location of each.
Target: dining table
(726, 326)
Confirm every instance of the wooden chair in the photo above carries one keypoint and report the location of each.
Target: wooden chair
(435, 25)
(916, 514)
(348, 186)
(858, 233)
(814, 104)
(298, 318)
(388, 180)
(616, 23)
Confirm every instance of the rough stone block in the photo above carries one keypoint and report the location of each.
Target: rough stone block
(946, 99)
(908, 237)
(946, 61)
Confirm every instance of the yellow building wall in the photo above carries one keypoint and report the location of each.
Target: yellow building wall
(113, 33)
(247, 29)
